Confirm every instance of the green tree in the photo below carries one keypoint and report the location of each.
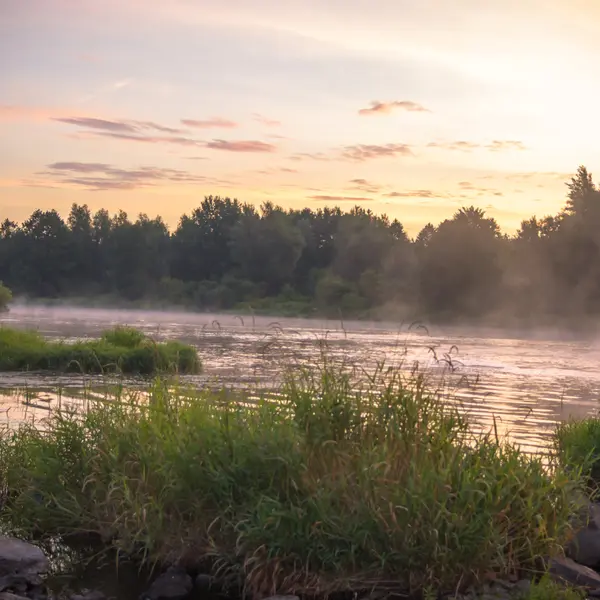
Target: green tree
(5, 297)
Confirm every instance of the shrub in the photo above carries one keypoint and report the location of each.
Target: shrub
(5, 297)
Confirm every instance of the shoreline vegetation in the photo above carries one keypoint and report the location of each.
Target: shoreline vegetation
(227, 255)
(348, 484)
(119, 350)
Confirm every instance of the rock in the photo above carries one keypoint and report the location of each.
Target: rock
(17, 556)
(9, 596)
(569, 571)
(204, 583)
(584, 548)
(174, 584)
(89, 595)
(282, 598)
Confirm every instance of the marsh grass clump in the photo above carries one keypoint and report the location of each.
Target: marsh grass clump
(122, 350)
(577, 445)
(344, 483)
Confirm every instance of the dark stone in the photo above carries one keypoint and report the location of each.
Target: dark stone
(584, 548)
(569, 571)
(17, 556)
(89, 595)
(204, 583)
(282, 598)
(174, 584)
(10, 596)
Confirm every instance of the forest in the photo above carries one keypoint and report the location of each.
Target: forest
(227, 255)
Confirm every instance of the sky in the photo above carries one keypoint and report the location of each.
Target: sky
(412, 108)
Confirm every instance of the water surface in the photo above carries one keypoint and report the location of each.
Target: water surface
(525, 385)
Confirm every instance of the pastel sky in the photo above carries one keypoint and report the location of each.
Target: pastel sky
(409, 107)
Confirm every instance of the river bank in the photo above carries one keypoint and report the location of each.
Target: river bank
(344, 486)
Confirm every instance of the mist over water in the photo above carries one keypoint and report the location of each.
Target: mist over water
(526, 384)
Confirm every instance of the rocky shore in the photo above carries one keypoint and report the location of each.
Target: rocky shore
(24, 568)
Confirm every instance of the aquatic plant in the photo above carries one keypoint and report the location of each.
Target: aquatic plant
(346, 482)
(122, 350)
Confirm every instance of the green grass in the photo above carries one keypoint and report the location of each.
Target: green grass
(122, 350)
(547, 589)
(343, 484)
(577, 445)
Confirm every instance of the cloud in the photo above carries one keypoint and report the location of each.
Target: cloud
(416, 194)
(497, 145)
(118, 126)
(241, 146)
(266, 121)
(466, 146)
(212, 123)
(102, 176)
(309, 156)
(362, 152)
(341, 198)
(461, 145)
(365, 186)
(385, 108)
(152, 139)
(275, 170)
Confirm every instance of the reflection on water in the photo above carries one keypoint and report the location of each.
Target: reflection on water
(526, 385)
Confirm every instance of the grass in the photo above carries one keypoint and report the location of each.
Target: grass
(346, 483)
(122, 349)
(577, 445)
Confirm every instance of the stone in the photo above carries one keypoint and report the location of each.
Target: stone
(204, 583)
(174, 584)
(17, 556)
(9, 596)
(569, 571)
(282, 598)
(89, 595)
(584, 548)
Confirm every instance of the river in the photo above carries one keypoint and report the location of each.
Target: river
(525, 385)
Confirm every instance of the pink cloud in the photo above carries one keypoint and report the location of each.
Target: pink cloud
(212, 123)
(385, 108)
(241, 146)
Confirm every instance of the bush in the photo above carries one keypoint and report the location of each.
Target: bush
(5, 297)
(123, 349)
(341, 484)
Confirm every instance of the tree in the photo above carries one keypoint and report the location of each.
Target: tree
(267, 247)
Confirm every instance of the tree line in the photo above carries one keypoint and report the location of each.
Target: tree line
(226, 254)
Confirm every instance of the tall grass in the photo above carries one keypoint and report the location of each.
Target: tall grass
(341, 484)
(577, 445)
(122, 349)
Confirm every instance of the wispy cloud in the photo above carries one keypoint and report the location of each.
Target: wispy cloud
(341, 198)
(212, 123)
(152, 139)
(241, 146)
(102, 176)
(321, 156)
(497, 145)
(385, 108)
(138, 128)
(466, 146)
(365, 185)
(362, 152)
(416, 194)
(265, 120)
